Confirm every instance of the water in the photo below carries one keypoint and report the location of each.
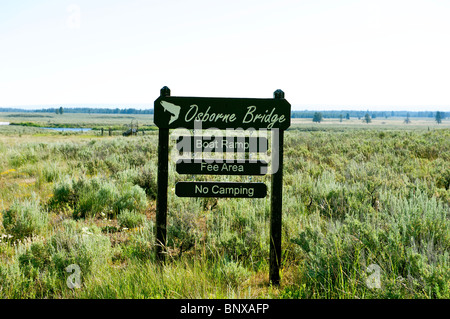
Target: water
(59, 129)
(67, 129)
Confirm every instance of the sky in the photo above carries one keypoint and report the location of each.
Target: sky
(324, 54)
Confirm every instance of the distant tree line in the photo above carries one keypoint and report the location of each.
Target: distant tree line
(362, 114)
(318, 117)
(294, 114)
(89, 110)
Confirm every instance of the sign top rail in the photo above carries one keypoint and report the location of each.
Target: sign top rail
(222, 113)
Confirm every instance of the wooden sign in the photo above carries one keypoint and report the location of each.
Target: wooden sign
(171, 112)
(221, 167)
(221, 113)
(221, 189)
(222, 144)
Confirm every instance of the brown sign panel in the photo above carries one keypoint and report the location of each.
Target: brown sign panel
(221, 167)
(221, 189)
(222, 144)
(221, 113)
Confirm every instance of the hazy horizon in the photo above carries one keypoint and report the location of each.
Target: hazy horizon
(323, 108)
(384, 54)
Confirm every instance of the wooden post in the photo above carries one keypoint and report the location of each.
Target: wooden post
(161, 199)
(276, 201)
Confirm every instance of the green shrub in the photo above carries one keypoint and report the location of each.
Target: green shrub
(84, 246)
(115, 163)
(130, 197)
(141, 243)
(146, 179)
(50, 172)
(182, 231)
(130, 219)
(96, 196)
(25, 218)
(27, 155)
(63, 193)
(234, 273)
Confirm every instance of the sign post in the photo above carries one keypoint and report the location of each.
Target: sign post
(163, 176)
(276, 199)
(172, 112)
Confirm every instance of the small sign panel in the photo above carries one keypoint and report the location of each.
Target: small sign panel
(221, 189)
(222, 167)
(222, 144)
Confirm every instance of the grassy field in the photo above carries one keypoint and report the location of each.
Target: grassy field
(366, 214)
